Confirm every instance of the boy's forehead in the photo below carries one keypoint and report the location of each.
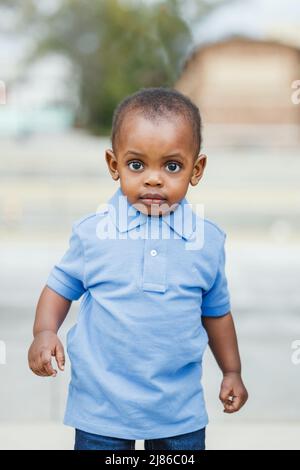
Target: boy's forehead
(166, 133)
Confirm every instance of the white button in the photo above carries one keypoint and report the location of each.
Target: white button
(153, 252)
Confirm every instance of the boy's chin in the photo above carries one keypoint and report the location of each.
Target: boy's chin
(154, 209)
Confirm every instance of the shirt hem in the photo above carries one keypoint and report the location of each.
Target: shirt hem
(135, 434)
(217, 311)
(62, 289)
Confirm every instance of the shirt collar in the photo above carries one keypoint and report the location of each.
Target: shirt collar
(126, 217)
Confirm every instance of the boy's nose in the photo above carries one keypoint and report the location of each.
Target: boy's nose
(153, 179)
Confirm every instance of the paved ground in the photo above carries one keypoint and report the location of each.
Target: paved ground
(250, 436)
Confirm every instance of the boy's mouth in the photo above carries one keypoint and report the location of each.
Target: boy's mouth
(152, 198)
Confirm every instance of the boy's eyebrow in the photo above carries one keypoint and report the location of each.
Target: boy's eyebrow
(164, 157)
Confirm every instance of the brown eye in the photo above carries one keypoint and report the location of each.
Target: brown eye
(173, 167)
(135, 165)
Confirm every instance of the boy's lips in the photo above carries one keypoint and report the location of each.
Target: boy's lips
(152, 198)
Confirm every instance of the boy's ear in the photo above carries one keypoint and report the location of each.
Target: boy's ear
(112, 163)
(198, 169)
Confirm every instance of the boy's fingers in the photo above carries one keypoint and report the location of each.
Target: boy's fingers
(33, 366)
(224, 393)
(46, 366)
(49, 369)
(233, 405)
(37, 369)
(60, 357)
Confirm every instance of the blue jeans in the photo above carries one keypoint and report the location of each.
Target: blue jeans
(191, 441)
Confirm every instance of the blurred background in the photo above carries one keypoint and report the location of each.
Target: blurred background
(64, 66)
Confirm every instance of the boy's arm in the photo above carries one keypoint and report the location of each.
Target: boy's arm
(224, 346)
(51, 311)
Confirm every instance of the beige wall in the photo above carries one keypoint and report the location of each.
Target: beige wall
(243, 82)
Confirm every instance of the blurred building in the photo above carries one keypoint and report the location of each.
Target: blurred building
(36, 98)
(243, 88)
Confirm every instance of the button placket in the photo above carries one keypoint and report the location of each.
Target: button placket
(155, 262)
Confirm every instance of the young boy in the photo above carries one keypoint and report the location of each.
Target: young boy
(152, 297)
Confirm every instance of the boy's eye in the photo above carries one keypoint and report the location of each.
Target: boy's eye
(135, 165)
(172, 167)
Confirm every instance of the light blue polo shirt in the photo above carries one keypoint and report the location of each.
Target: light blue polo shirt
(136, 349)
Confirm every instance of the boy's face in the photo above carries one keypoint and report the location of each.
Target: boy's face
(155, 159)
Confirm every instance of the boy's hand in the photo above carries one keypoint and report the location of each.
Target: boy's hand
(45, 345)
(233, 393)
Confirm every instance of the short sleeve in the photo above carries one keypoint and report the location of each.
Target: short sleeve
(216, 300)
(67, 276)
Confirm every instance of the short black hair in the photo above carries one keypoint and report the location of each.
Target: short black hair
(158, 102)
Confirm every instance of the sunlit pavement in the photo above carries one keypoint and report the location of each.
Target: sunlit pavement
(260, 436)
